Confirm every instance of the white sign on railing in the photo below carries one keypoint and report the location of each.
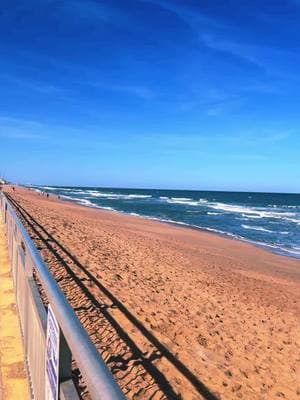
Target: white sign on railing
(52, 356)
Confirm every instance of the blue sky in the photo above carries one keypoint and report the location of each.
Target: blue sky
(151, 93)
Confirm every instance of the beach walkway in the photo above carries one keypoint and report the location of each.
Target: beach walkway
(13, 381)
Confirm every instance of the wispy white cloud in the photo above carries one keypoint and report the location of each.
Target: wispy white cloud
(231, 104)
(135, 90)
(273, 61)
(20, 122)
(212, 100)
(247, 52)
(20, 128)
(250, 141)
(248, 157)
(138, 91)
(191, 16)
(256, 138)
(27, 83)
(89, 11)
(13, 134)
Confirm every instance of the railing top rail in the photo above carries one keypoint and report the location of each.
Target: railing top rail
(99, 380)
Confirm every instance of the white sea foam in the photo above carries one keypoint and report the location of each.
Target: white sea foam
(232, 208)
(292, 251)
(169, 221)
(181, 198)
(203, 201)
(247, 212)
(247, 216)
(219, 231)
(117, 196)
(76, 193)
(139, 196)
(109, 196)
(282, 206)
(85, 202)
(183, 201)
(257, 228)
(104, 208)
(255, 212)
(213, 213)
(62, 189)
(100, 194)
(49, 188)
(68, 197)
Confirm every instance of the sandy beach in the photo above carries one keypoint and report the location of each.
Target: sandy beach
(175, 312)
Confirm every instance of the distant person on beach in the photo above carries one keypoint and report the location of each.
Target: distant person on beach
(47, 195)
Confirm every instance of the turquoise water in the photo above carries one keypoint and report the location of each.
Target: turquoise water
(266, 219)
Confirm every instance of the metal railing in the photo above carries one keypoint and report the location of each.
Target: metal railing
(75, 341)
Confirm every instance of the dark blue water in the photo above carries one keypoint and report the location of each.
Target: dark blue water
(266, 219)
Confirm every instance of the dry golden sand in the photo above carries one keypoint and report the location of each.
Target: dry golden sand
(230, 312)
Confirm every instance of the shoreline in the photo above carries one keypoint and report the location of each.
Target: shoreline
(270, 249)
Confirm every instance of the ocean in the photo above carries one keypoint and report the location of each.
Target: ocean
(269, 220)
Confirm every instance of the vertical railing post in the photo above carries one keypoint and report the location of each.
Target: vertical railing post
(5, 212)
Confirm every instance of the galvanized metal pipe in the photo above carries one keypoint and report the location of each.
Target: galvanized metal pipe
(98, 378)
